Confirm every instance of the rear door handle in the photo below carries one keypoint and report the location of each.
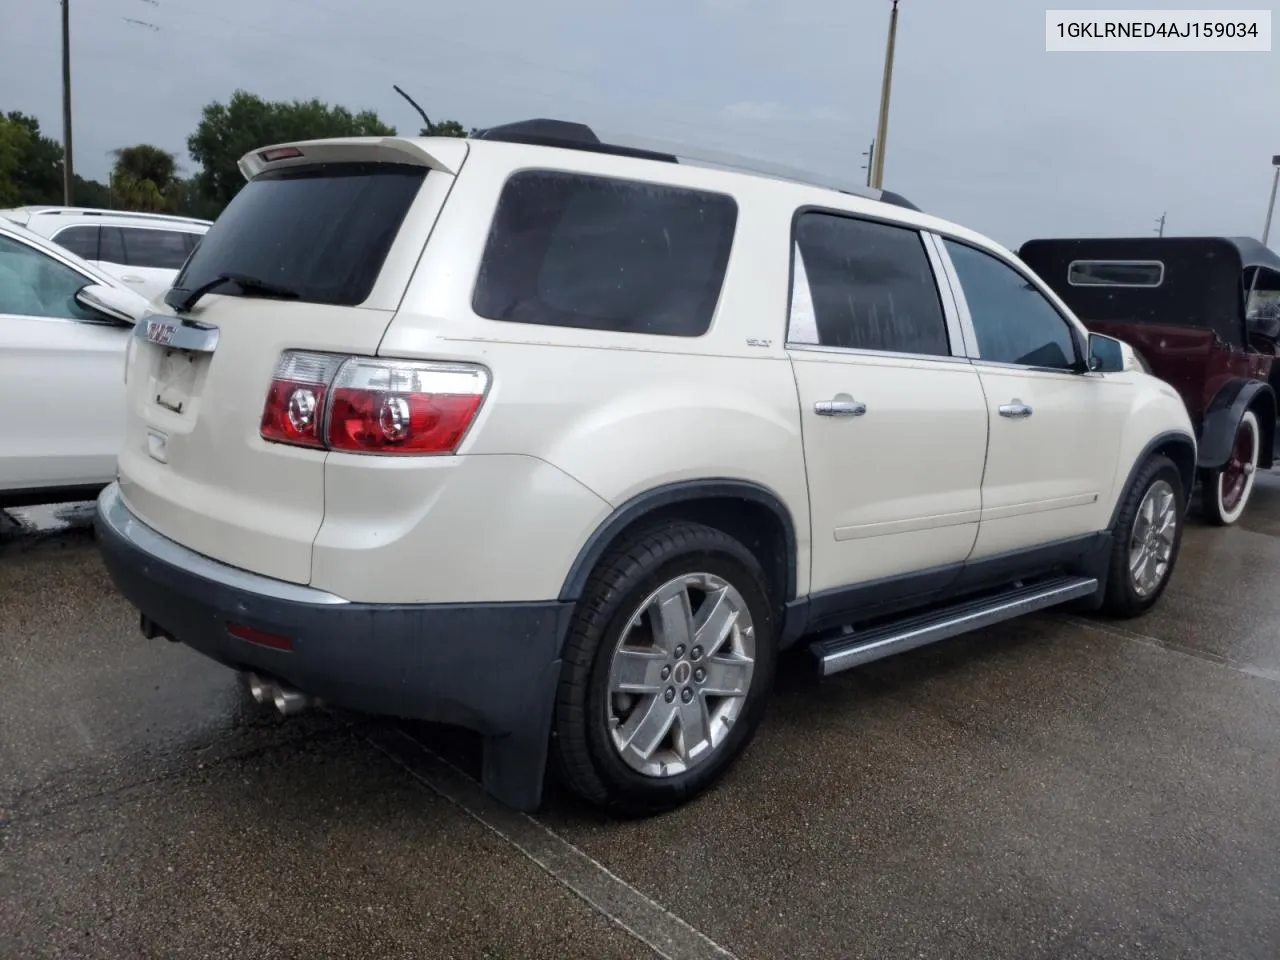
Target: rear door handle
(839, 408)
(1017, 410)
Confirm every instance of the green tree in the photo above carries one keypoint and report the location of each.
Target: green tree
(90, 193)
(13, 145)
(227, 132)
(445, 128)
(31, 168)
(36, 176)
(145, 178)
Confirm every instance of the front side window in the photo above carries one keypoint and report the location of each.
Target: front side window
(162, 249)
(82, 241)
(1013, 321)
(572, 250)
(869, 285)
(34, 284)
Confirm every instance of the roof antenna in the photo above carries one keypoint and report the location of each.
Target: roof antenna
(413, 103)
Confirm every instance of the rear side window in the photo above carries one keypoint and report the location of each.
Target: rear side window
(321, 232)
(863, 285)
(82, 241)
(145, 247)
(112, 249)
(570, 250)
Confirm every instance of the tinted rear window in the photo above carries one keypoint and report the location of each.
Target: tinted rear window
(148, 247)
(571, 250)
(321, 231)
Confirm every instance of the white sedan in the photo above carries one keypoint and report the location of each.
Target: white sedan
(64, 329)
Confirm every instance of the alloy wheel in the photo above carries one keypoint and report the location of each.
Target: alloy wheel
(680, 674)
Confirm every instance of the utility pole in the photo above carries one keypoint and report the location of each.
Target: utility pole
(1271, 206)
(877, 170)
(869, 154)
(1160, 231)
(68, 173)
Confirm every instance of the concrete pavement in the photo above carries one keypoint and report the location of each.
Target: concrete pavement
(1054, 787)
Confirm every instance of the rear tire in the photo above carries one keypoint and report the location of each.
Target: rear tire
(667, 668)
(1226, 491)
(1146, 539)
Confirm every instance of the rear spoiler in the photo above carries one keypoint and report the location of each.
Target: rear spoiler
(445, 154)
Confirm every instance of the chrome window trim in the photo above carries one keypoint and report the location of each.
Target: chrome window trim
(964, 317)
(1027, 368)
(874, 354)
(951, 306)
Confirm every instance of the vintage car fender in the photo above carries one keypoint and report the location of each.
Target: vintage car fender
(1222, 420)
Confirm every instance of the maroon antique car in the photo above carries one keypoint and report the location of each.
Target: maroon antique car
(1203, 314)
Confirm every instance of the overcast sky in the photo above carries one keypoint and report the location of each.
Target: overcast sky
(986, 128)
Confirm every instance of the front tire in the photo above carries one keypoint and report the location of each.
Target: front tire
(1146, 539)
(667, 668)
(1226, 491)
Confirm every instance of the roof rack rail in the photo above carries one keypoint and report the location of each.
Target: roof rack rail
(59, 211)
(578, 136)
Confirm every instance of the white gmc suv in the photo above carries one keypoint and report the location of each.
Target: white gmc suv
(563, 441)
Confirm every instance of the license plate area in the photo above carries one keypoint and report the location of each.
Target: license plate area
(175, 380)
(182, 351)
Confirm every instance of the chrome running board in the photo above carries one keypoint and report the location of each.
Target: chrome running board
(854, 649)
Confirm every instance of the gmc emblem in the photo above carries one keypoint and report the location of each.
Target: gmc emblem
(161, 333)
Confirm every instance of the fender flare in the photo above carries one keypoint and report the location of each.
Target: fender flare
(1177, 437)
(673, 493)
(1222, 420)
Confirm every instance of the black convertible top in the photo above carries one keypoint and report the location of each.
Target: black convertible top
(1189, 281)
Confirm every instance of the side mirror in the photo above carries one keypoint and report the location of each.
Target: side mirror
(1108, 355)
(119, 305)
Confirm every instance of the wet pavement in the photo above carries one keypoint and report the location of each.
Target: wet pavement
(1055, 787)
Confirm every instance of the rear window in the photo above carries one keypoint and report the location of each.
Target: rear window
(571, 250)
(322, 232)
(1115, 273)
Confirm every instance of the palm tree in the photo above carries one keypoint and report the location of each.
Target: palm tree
(145, 178)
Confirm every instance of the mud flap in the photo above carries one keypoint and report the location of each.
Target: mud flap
(514, 767)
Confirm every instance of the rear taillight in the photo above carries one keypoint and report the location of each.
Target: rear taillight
(294, 411)
(365, 405)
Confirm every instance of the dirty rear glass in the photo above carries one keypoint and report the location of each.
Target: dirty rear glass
(322, 231)
(571, 250)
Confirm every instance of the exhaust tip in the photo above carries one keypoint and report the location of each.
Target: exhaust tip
(260, 690)
(289, 702)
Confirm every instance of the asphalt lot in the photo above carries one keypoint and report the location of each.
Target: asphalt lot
(1051, 788)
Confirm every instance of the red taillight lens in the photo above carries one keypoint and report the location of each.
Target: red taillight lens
(404, 406)
(294, 411)
(372, 406)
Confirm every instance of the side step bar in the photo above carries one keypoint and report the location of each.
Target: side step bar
(854, 649)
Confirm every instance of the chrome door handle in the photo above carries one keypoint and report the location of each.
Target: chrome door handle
(839, 408)
(1017, 410)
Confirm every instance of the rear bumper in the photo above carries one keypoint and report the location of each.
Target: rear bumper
(492, 668)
